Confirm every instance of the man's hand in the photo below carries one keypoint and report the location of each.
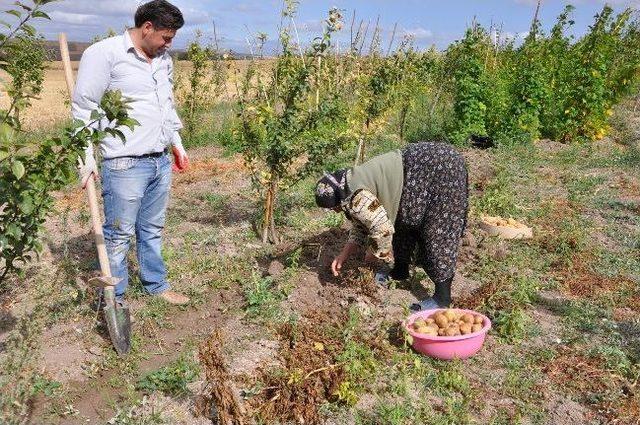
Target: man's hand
(87, 169)
(180, 159)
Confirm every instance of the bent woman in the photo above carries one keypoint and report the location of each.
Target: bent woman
(406, 205)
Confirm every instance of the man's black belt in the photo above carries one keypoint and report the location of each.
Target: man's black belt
(151, 155)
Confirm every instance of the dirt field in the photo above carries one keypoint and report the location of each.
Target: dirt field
(243, 291)
(271, 337)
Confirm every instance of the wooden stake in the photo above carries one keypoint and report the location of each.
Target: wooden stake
(393, 35)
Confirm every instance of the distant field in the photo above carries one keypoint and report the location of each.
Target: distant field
(53, 107)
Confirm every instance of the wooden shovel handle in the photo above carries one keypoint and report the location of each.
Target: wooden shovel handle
(96, 218)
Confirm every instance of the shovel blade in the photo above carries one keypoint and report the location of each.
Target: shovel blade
(104, 281)
(118, 321)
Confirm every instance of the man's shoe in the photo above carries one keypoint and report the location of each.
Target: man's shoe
(173, 297)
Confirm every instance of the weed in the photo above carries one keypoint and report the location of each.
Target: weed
(498, 197)
(262, 296)
(137, 415)
(171, 379)
(333, 219)
(45, 386)
(451, 379)
(215, 201)
(512, 325)
(155, 311)
(581, 189)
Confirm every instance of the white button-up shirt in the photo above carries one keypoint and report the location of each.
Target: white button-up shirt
(115, 64)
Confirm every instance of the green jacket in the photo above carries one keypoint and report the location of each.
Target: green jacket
(383, 176)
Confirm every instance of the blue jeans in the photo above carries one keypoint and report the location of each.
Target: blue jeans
(135, 193)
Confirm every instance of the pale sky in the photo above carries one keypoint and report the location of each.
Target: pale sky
(428, 21)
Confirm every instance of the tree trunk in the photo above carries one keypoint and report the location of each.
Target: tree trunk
(190, 117)
(359, 152)
(362, 144)
(269, 233)
(403, 119)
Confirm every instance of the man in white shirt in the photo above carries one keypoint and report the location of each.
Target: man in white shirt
(136, 174)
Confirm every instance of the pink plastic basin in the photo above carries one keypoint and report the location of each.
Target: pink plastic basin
(447, 347)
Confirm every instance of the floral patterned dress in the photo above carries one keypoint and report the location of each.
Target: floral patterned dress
(432, 216)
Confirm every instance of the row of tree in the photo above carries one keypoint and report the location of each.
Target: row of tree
(310, 104)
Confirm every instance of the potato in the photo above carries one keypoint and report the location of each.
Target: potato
(441, 332)
(451, 315)
(465, 329)
(477, 327)
(430, 331)
(478, 320)
(419, 323)
(451, 331)
(430, 321)
(468, 318)
(441, 320)
(433, 326)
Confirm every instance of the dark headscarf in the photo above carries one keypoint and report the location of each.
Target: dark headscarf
(331, 189)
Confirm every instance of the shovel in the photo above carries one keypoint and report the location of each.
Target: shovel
(116, 315)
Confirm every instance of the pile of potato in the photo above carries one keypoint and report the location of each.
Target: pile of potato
(503, 222)
(448, 323)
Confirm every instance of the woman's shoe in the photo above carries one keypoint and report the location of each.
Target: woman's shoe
(426, 304)
(400, 271)
(382, 277)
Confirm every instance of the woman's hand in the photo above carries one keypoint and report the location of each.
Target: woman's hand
(336, 265)
(370, 258)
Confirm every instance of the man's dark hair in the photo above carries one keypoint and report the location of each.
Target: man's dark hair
(162, 14)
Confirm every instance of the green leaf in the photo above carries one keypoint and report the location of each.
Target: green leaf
(40, 14)
(7, 134)
(120, 135)
(14, 230)
(95, 115)
(15, 13)
(27, 8)
(27, 205)
(18, 169)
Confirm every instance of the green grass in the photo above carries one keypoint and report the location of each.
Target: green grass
(217, 203)
(171, 379)
(262, 296)
(215, 129)
(581, 188)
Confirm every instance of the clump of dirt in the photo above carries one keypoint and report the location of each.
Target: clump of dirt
(211, 168)
(310, 374)
(585, 376)
(480, 168)
(218, 400)
(628, 411)
(361, 281)
(580, 280)
(478, 297)
(588, 377)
